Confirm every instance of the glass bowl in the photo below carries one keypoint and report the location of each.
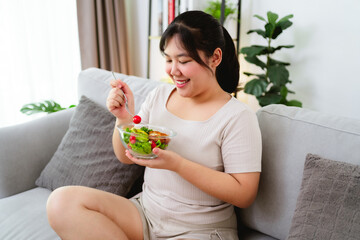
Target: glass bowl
(140, 139)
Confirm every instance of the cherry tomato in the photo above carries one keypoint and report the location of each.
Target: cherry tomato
(153, 144)
(132, 139)
(136, 119)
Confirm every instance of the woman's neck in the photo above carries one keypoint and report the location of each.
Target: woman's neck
(213, 93)
(198, 108)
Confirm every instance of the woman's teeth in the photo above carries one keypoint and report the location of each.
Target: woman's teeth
(182, 81)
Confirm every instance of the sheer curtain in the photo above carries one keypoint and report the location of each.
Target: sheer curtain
(39, 55)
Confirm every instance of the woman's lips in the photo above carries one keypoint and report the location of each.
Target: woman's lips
(181, 83)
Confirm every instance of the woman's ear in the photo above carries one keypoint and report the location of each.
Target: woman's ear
(216, 58)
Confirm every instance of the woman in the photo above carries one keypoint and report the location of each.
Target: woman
(212, 164)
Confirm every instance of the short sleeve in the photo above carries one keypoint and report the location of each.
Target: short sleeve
(241, 144)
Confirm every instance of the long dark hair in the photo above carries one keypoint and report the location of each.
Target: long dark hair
(199, 31)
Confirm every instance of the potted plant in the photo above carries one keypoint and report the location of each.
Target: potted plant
(47, 106)
(269, 87)
(214, 9)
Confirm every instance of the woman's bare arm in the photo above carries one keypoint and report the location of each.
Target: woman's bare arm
(115, 104)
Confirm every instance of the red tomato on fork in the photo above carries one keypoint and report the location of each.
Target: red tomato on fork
(136, 119)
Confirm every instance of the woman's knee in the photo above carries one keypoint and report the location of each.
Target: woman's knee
(60, 205)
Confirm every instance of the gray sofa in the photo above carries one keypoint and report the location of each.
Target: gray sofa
(288, 134)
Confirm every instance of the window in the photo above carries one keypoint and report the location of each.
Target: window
(39, 55)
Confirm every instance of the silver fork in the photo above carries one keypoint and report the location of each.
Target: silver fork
(126, 101)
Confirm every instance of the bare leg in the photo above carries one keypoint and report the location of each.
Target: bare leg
(76, 212)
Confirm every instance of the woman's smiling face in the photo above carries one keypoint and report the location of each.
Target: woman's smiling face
(190, 78)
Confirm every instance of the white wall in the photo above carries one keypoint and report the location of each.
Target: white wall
(326, 57)
(325, 60)
(137, 14)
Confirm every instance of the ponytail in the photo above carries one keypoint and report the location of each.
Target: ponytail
(227, 73)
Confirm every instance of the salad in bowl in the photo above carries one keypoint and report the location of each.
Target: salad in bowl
(141, 139)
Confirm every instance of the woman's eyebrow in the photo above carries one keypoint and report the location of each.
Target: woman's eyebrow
(179, 55)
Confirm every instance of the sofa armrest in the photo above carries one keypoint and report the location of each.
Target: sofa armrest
(25, 149)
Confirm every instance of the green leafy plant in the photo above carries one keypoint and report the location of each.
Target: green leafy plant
(48, 106)
(214, 9)
(270, 86)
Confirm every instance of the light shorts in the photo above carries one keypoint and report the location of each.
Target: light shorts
(154, 229)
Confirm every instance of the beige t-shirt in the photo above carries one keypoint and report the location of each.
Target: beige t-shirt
(229, 141)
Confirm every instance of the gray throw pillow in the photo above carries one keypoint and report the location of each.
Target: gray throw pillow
(328, 205)
(85, 155)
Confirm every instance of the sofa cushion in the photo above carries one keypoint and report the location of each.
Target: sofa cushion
(23, 216)
(328, 206)
(288, 135)
(245, 233)
(85, 155)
